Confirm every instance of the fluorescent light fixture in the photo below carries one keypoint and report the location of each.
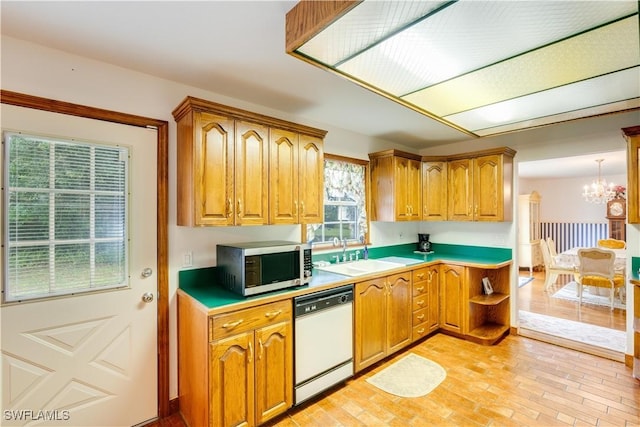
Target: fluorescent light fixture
(482, 67)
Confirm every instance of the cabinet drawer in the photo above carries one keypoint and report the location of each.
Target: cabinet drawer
(420, 302)
(419, 288)
(225, 325)
(420, 274)
(419, 332)
(420, 316)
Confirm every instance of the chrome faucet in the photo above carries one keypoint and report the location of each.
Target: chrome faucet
(344, 250)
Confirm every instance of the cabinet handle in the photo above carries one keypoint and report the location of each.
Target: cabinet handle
(272, 314)
(475, 210)
(420, 331)
(302, 207)
(229, 208)
(420, 289)
(430, 276)
(239, 213)
(231, 325)
(421, 317)
(295, 208)
(261, 349)
(420, 276)
(424, 211)
(250, 352)
(420, 302)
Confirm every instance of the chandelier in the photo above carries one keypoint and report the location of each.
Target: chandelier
(599, 191)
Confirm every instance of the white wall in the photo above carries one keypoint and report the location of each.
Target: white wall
(39, 71)
(562, 198)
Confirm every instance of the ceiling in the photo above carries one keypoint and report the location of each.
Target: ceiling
(233, 48)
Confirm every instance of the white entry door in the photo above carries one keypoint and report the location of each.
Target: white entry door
(88, 359)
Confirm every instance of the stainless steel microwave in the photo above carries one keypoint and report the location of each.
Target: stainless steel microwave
(255, 267)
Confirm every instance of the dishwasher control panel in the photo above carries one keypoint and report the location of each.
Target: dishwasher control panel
(323, 300)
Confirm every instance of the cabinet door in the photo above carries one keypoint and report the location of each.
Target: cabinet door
(399, 327)
(451, 298)
(283, 180)
(231, 381)
(401, 187)
(414, 190)
(434, 191)
(433, 289)
(274, 370)
(311, 182)
(214, 170)
(370, 323)
(251, 174)
(488, 188)
(460, 194)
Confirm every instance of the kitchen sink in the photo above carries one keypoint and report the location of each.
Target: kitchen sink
(359, 268)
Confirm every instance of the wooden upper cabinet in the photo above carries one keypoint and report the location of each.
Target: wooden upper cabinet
(226, 157)
(480, 187)
(206, 170)
(396, 190)
(311, 175)
(251, 174)
(632, 135)
(460, 190)
(297, 178)
(434, 190)
(283, 186)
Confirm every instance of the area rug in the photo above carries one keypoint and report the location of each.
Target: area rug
(411, 376)
(599, 336)
(569, 292)
(523, 281)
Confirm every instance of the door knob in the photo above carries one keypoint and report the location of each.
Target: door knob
(147, 272)
(147, 297)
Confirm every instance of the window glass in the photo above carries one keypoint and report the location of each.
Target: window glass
(66, 210)
(345, 201)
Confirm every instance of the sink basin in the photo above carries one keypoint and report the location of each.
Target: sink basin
(359, 268)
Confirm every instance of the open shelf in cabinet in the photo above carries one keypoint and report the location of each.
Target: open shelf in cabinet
(488, 333)
(493, 299)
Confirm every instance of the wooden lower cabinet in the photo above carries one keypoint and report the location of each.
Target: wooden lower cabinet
(452, 298)
(382, 318)
(426, 282)
(246, 363)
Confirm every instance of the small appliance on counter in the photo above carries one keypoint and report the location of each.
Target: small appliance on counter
(252, 268)
(424, 245)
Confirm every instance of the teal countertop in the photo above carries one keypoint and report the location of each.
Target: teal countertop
(635, 269)
(202, 284)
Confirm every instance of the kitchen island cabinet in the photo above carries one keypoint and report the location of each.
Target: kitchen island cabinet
(382, 318)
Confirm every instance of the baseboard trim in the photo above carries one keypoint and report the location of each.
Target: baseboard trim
(174, 406)
(573, 345)
(628, 360)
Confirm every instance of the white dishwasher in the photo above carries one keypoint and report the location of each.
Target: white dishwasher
(323, 328)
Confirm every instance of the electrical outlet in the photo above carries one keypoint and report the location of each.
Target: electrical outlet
(401, 235)
(187, 259)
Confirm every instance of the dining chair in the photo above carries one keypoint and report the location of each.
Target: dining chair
(612, 244)
(552, 247)
(597, 269)
(552, 267)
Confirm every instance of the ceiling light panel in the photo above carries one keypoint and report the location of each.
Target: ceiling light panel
(620, 86)
(591, 54)
(467, 36)
(364, 25)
